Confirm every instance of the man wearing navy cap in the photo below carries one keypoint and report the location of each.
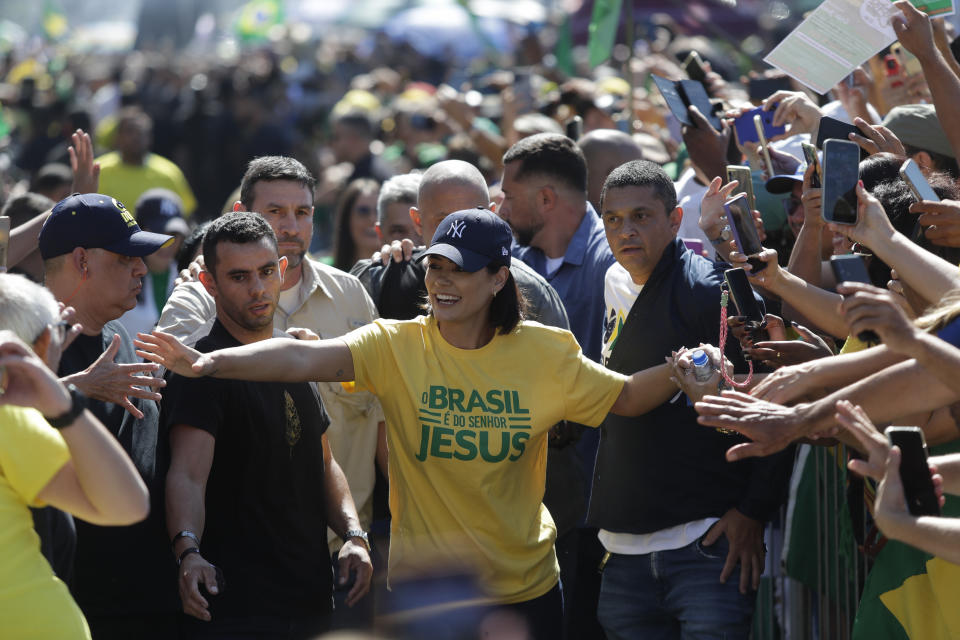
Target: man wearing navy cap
(93, 253)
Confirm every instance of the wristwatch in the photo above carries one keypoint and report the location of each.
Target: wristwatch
(78, 402)
(724, 236)
(358, 533)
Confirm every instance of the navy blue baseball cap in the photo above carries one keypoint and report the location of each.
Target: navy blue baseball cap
(472, 239)
(784, 182)
(96, 221)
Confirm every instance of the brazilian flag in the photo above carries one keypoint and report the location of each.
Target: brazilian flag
(910, 594)
(257, 17)
(54, 21)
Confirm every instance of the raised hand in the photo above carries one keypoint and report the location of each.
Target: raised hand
(86, 172)
(941, 219)
(165, 350)
(871, 442)
(869, 308)
(877, 139)
(772, 427)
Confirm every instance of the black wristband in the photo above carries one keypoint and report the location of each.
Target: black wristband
(78, 402)
(185, 553)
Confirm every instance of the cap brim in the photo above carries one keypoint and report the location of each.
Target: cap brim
(783, 183)
(463, 258)
(140, 244)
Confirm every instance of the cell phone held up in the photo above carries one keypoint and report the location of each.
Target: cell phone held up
(852, 268)
(914, 471)
(693, 66)
(911, 174)
(841, 172)
(810, 155)
(745, 304)
(740, 218)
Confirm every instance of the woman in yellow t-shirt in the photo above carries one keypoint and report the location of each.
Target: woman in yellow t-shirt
(470, 392)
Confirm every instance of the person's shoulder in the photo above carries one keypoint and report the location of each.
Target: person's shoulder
(616, 274)
(522, 272)
(328, 273)
(542, 335)
(109, 160)
(366, 268)
(703, 276)
(162, 165)
(342, 286)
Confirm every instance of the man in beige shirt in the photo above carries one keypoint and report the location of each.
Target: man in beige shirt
(314, 296)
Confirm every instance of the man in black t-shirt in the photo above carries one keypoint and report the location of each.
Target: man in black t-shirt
(251, 473)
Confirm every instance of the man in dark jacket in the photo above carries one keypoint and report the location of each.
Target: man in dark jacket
(675, 517)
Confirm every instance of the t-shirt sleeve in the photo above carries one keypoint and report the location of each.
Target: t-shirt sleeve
(31, 451)
(372, 358)
(195, 402)
(589, 389)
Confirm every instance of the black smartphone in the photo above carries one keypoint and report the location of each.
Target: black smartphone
(741, 294)
(911, 174)
(841, 172)
(693, 66)
(574, 128)
(695, 94)
(744, 230)
(670, 91)
(852, 268)
(760, 89)
(833, 129)
(810, 155)
(914, 472)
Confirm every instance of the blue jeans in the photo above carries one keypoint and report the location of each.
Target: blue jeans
(674, 594)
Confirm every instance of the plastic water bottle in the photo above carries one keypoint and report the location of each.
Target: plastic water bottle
(702, 368)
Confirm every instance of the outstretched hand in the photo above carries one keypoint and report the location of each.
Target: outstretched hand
(772, 427)
(165, 350)
(86, 172)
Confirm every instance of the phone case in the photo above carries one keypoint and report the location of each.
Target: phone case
(695, 94)
(810, 155)
(913, 176)
(747, 132)
(914, 472)
(741, 294)
(675, 102)
(744, 177)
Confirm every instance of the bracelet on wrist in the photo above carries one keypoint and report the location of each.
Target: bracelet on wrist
(187, 552)
(186, 533)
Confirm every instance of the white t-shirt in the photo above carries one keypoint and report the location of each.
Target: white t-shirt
(689, 194)
(619, 294)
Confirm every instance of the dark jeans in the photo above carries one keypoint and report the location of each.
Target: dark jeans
(675, 594)
(543, 614)
(257, 628)
(149, 626)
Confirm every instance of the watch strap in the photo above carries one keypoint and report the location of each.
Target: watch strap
(78, 402)
(358, 533)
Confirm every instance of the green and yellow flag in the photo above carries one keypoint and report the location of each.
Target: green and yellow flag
(257, 17)
(54, 21)
(603, 30)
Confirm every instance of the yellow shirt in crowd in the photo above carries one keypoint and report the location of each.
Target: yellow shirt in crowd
(127, 182)
(467, 434)
(33, 602)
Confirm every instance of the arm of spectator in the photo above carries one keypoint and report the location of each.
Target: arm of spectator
(644, 391)
(86, 172)
(855, 99)
(816, 304)
(109, 381)
(780, 352)
(342, 517)
(713, 215)
(98, 483)
(915, 33)
(942, 39)
(877, 139)
(273, 360)
(806, 256)
(191, 456)
(491, 146)
(948, 466)
(941, 219)
(25, 239)
(930, 276)
(188, 308)
(796, 109)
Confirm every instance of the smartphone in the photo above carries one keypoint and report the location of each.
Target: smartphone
(741, 293)
(841, 171)
(955, 48)
(744, 230)
(810, 155)
(914, 472)
(744, 177)
(911, 174)
(694, 244)
(746, 130)
(4, 242)
(695, 94)
(852, 268)
(671, 95)
(758, 125)
(693, 66)
(760, 89)
(574, 128)
(833, 129)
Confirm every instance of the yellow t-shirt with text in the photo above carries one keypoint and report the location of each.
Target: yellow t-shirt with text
(467, 433)
(33, 602)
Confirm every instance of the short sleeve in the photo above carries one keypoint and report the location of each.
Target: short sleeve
(195, 402)
(371, 355)
(589, 389)
(31, 451)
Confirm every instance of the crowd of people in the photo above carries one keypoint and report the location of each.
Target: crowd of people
(254, 361)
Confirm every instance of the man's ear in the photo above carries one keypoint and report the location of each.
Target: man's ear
(238, 206)
(547, 198)
(209, 283)
(415, 218)
(676, 217)
(42, 344)
(79, 259)
(282, 263)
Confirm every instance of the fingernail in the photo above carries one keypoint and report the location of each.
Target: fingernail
(860, 182)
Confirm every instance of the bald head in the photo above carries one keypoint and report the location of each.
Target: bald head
(448, 186)
(605, 150)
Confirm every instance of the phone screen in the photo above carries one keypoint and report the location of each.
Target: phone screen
(741, 293)
(841, 171)
(741, 223)
(914, 471)
(852, 268)
(696, 95)
(671, 95)
(810, 155)
(911, 174)
(762, 88)
(693, 66)
(4, 241)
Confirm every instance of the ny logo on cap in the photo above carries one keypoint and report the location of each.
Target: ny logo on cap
(456, 229)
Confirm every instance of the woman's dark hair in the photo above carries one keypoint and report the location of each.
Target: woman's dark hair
(191, 246)
(344, 250)
(509, 306)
